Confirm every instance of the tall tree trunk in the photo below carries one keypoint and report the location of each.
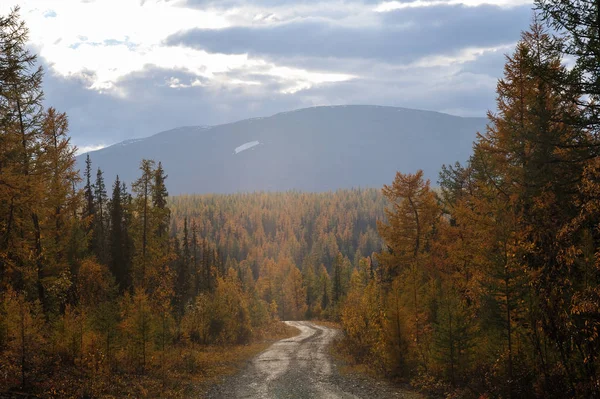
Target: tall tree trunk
(451, 332)
(39, 261)
(23, 343)
(509, 333)
(144, 231)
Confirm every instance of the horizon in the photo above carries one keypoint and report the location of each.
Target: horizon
(158, 64)
(92, 149)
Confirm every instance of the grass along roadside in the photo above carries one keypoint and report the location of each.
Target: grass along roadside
(211, 364)
(232, 359)
(363, 374)
(338, 351)
(182, 371)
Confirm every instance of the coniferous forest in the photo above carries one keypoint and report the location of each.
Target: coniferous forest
(489, 286)
(484, 284)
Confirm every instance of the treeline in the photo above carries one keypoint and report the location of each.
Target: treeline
(489, 287)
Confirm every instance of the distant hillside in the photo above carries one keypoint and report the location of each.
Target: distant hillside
(312, 149)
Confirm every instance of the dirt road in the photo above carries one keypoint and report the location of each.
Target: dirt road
(300, 367)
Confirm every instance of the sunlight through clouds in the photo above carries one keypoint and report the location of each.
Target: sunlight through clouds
(123, 68)
(108, 40)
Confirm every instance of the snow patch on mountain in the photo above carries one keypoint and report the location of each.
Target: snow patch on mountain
(246, 146)
(130, 141)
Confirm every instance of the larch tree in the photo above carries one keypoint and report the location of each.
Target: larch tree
(294, 295)
(576, 22)
(411, 219)
(528, 165)
(59, 209)
(24, 325)
(139, 323)
(21, 118)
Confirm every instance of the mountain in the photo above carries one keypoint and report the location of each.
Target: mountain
(312, 149)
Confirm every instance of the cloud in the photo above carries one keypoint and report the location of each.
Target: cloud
(154, 105)
(378, 5)
(387, 6)
(452, 90)
(402, 37)
(159, 64)
(161, 99)
(268, 3)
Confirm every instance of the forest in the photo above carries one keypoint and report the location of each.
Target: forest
(483, 286)
(107, 289)
(488, 287)
(110, 289)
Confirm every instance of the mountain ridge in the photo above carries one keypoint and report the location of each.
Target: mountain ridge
(310, 149)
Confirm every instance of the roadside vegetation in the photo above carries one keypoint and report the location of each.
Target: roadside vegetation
(490, 287)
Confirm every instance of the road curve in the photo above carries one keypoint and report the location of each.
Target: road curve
(297, 367)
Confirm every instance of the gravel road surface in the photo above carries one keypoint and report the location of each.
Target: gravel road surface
(300, 367)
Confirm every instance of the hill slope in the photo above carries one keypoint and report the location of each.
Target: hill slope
(312, 149)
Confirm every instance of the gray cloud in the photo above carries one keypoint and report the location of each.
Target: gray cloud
(460, 93)
(268, 3)
(378, 52)
(152, 106)
(489, 63)
(403, 36)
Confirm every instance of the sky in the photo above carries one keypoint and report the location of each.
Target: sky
(125, 69)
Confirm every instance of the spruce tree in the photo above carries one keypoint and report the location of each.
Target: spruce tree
(183, 275)
(159, 201)
(196, 261)
(89, 209)
(120, 263)
(100, 233)
(143, 188)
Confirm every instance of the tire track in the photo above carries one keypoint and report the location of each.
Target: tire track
(297, 367)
